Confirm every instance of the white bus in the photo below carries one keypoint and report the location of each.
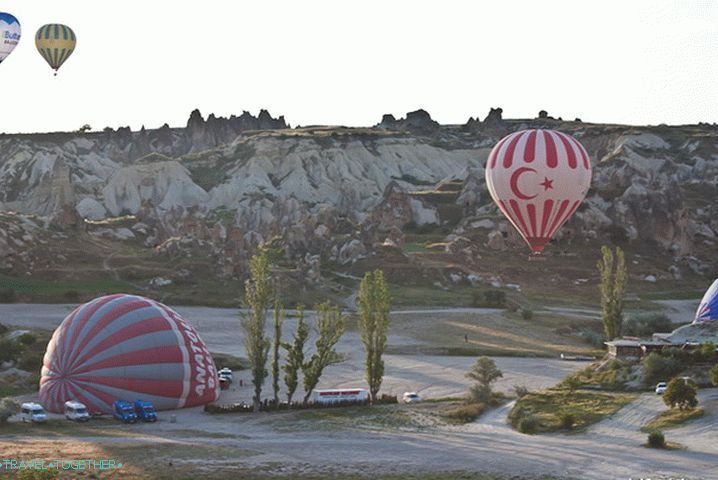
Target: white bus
(335, 395)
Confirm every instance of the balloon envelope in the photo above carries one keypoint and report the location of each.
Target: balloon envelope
(538, 178)
(708, 308)
(126, 347)
(9, 34)
(55, 42)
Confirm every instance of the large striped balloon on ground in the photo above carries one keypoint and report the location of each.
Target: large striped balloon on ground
(708, 308)
(125, 347)
(9, 34)
(538, 178)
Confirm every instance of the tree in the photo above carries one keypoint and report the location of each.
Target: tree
(374, 305)
(681, 392)
(276, 343)
(714, 375)
(484, 373)
(257, 295)
(613, 289)
(330, 328)
(295, 355)
(8, 408)
(657, 367)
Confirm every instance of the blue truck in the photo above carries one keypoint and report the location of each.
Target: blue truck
(124, 411)
(145, 411)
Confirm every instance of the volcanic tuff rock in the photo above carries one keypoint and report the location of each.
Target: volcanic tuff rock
(228, 184)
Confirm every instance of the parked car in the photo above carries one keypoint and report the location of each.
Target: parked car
(32, 412)
(661, 388)
(145, 411)
(76, 411)
(411, 397)
(124, 411)
(225, 373)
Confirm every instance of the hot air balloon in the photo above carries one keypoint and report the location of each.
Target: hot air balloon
(55, 43)
(708, 308)
(9, 34)
(125, 347)
(538, 178)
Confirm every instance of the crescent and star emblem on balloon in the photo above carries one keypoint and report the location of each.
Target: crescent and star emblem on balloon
(547, 183)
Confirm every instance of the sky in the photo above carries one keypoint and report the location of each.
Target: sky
(347, 62)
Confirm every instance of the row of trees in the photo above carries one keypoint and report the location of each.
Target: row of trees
(374, 305)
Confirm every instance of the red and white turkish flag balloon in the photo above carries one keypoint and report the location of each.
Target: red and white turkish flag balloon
(538, 178)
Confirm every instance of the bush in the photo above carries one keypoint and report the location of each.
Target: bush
(8, 408)
(528, 424)
(31, 360)
(3, 329)
(656, 439)
(465, 413)
(9, 350)
(592, 338)
(567, 420)
(71, 296)
(527, 314)
(27, 339)
(479, 394)
(7, 295)
(520, 391)
(657, 367)
(681, 393)
(646, 324)
(714, 375)
(491, 299)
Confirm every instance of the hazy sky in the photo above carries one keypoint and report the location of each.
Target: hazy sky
(348, 62)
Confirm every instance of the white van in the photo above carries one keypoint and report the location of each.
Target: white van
(32, 412)
(335, 395)
(76, 411)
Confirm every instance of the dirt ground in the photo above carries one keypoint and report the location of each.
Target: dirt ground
(387, 440)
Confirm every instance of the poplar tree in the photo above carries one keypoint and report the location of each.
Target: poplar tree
(613, 289)
(374, 306)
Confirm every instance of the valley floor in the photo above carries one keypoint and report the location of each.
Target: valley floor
(390, 440)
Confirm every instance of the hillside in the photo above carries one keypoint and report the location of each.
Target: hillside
(180, 210)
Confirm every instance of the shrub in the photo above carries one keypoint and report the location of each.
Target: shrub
(31, 360)
(9, 350)
(657, 367)
(71, 296)
(527, 314)
(27, 339)
(520, 391)
(3, 329)
(646, 324)
(528, 424)
(714, 375)
(8, 408)
(656, 439)
(494, 299)
(567, 420)
(592, 338)
(7, 295)
(465, 413)
(681, 393)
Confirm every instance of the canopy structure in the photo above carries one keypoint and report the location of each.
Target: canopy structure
(708, 308)
(125, 347)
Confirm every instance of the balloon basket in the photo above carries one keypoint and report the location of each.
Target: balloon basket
(536, 257)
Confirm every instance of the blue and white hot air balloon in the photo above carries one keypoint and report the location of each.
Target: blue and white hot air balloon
(708, 309)
(9, 34)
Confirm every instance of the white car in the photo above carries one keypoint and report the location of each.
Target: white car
(76, 411)
(411, 397)
(661, 388)
(32, 412)
(226, 373)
